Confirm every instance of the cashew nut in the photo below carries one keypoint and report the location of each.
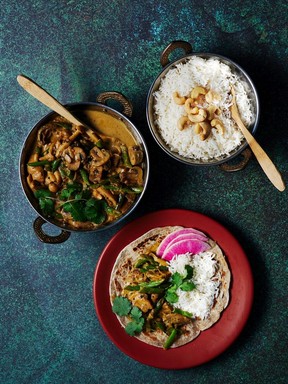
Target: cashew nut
(216, 123)
(212, 96)
(212, 109)
(197, 91)
(180, 100)
(203, 129)
(201, 116)
(183, 122)
(189, 105)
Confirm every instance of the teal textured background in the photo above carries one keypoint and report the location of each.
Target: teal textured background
(77, 49)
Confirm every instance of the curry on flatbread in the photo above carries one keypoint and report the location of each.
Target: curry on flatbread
(146, 292)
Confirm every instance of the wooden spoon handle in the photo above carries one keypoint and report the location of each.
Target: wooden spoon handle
(265, 162)
(45, 98)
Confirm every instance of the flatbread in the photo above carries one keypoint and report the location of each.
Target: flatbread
(151, 240)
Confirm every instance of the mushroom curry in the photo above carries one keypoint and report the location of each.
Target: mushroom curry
(82, 182)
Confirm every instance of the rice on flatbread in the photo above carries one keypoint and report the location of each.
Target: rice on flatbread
(143, 245)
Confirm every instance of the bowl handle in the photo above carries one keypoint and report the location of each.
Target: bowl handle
(126, 104)
(44, 237)
(187, 47)
(246, 155)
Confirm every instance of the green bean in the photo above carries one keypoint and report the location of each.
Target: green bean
(39, 163)
(125, 156)
(84, 176)
(171, 339)
(183, 313)
(55, 164)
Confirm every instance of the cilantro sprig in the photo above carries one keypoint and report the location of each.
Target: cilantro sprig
(183, 282)
(46, 201)
(123, 307)
(76, 200)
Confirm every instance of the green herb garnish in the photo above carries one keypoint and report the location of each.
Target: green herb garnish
(123, 307)
(182, 282)
(46, 201)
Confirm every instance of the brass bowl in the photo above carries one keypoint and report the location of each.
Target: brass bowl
(81, 110)
(235, 68)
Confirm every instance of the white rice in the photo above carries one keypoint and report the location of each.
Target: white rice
(210, 74)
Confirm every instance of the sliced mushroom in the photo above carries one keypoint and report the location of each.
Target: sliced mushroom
(44, 134)
(99, 156)
(95, 173)
(135, 154)
(131, 176)
(73, 157)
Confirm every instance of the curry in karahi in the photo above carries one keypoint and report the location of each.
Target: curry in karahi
(82, 180)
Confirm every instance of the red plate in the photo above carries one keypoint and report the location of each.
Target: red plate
(209, 343)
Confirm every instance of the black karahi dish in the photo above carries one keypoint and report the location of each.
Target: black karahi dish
(111, 177)
(159, 87)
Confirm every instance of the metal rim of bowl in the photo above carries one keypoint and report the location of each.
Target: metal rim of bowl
(30, 139)
(236, 68)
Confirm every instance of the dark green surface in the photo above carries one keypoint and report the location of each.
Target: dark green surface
(77, 49)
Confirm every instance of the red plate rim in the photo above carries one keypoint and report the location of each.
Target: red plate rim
(210, 343)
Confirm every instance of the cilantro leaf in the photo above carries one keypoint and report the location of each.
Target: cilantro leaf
(121, 306)
(95, 210)
(171, 296)
(176, 279)
(136, 314)
(134, 327)
(71, 190)
(46, 203)
(189, 270)
(187, 286)
(76, 208)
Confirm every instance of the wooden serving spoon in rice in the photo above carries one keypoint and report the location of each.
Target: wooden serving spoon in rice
(45, 98)
(265, 162)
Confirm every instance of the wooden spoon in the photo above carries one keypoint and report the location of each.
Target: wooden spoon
(265, 162)
(45, 98)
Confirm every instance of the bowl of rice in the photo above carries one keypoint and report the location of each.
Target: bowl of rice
(188, 107)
